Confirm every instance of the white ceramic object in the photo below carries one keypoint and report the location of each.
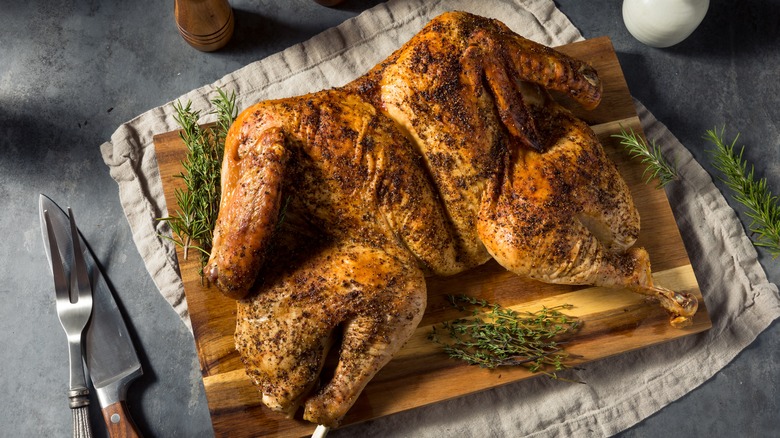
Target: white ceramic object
(663, 23)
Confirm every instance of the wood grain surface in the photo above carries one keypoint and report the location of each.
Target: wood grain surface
(615, 321)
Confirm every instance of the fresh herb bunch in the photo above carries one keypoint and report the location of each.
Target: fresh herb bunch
(657, 166)
(761, 205)
(198, 202)
(504, 337)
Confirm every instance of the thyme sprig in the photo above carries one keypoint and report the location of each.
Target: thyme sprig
(198, 202)
(761, 206)
(651, 156)
(504, 337)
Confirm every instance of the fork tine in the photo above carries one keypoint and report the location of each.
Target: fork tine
(60, 280)
(80, 267)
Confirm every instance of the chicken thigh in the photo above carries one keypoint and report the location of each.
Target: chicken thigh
(336, 205)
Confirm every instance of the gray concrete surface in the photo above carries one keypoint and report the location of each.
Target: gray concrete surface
(72, 71)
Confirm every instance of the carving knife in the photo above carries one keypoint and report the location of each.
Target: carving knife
(111, 358)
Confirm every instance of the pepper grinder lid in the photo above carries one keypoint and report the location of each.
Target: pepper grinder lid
(206, 25)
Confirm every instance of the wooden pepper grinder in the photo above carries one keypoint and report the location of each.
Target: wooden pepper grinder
(206, 25)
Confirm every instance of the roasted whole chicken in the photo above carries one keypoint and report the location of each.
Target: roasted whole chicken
(336, 205)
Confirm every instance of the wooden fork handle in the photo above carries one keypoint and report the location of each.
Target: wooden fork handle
(118, 421)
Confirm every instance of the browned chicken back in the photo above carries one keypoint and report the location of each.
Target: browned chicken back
(335, 205)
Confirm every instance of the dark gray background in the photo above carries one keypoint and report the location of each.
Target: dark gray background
(72, 71)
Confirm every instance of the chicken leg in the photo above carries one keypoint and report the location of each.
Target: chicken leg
(284, 333)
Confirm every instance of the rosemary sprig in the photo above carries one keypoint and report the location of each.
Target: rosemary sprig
(761, 205)
(657, 166)
(504, 337)
(198, 201)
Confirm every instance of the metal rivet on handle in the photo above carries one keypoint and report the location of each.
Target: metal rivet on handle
(115, 418)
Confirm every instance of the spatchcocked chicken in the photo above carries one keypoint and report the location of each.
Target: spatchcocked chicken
(336, 205)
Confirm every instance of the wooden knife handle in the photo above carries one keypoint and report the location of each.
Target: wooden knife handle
(118, 421)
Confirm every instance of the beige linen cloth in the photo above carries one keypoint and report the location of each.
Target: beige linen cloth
(619, 391)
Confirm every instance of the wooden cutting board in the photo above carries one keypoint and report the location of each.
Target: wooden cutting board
(615, 321)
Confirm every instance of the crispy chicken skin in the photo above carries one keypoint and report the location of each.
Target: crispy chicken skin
(336, 205)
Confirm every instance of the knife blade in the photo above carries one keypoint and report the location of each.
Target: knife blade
(112, 360)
